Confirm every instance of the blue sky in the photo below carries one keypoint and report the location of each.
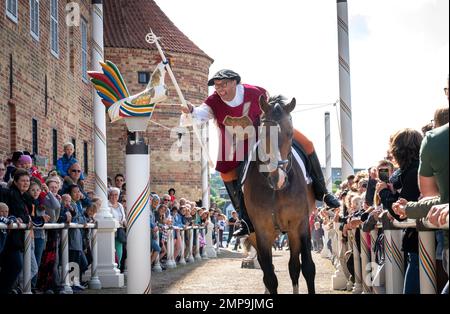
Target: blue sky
(399, 53)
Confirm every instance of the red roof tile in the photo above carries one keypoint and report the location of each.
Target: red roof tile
(126, 22)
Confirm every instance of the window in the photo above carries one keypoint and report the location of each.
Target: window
(54, 39)
(34, 19)
(84, 48)
(11, 10)
(86, 158)
(55, 147)
(74, 142)
(143, 77)
(35, 137)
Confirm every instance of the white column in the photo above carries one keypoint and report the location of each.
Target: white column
(170, 249)
(197, 245)
(109, 275)
(394, 262)
(191, 245)
(205, 169)
(328, 172)
(210, 251)
(183, 247)
(138, 218)
(427, 262)
(325, 251)
(366, 266)
(338, 280)
(65, 280)
(27, 262)
(217, 240)
(94, 283)
(157, 268)
(345, 90)
(357, 289)
(373, 239)
(203, 233)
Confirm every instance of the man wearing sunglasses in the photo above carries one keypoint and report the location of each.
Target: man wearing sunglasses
(237, 105)
(74, 177)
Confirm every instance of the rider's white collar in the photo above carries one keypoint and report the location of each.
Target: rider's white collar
(239, 98)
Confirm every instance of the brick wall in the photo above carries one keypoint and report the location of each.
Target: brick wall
(191, 73)
(69, 103)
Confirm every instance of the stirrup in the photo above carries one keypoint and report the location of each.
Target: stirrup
(243, 230)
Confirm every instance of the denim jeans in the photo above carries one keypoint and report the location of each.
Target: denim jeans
(412, 282)
(39, 246)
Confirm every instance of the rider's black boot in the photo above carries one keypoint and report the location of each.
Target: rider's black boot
(319, 186)
(237, 199)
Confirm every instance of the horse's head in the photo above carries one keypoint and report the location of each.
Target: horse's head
(276, 140)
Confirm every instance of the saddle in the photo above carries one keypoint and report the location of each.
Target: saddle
(298, 155)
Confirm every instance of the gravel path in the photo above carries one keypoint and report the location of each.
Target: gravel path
(224, 275)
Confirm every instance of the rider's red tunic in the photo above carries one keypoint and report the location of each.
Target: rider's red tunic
(233, 116)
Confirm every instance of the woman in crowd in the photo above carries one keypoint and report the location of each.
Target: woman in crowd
(48, 277)
(20, 206)
(76, 252)
(119, 214)
(405, 148)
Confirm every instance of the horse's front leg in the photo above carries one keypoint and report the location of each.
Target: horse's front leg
(294, 261)
(265, 262)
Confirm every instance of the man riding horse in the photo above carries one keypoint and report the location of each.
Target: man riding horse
(235, 104)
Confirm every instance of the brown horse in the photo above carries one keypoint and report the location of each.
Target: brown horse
(278, 198)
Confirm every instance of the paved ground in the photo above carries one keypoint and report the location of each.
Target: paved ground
(224, 275)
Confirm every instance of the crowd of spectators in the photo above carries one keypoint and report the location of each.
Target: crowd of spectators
(31, 198)
(410, 182)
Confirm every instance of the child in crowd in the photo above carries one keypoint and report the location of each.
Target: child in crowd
(4, 211)
(221, 223)
(39, 217)
(76, 253)
(90, 212)
(317, 234)
(26, 162)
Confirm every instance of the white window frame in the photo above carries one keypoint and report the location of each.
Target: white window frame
(34, 34)
(54, 22)
(13, 16)
(84, 49)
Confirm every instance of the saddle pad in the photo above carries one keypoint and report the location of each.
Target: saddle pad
(295, 154)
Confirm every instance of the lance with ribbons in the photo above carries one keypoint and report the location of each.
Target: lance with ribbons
(151, 38)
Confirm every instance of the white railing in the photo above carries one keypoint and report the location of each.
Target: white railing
(367, 271)
(94, 282)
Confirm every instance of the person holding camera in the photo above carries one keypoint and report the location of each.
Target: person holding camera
(405, 150)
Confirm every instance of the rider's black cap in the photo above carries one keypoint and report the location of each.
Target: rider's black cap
(225, 75)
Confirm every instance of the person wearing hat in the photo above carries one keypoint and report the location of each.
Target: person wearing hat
(13, 165)
(235, 104)
(26, 162)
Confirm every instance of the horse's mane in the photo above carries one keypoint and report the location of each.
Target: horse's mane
(279, 99)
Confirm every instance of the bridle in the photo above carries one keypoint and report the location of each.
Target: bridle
(284, 165)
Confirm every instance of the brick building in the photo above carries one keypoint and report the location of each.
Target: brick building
(126, 24)
(46, 99)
